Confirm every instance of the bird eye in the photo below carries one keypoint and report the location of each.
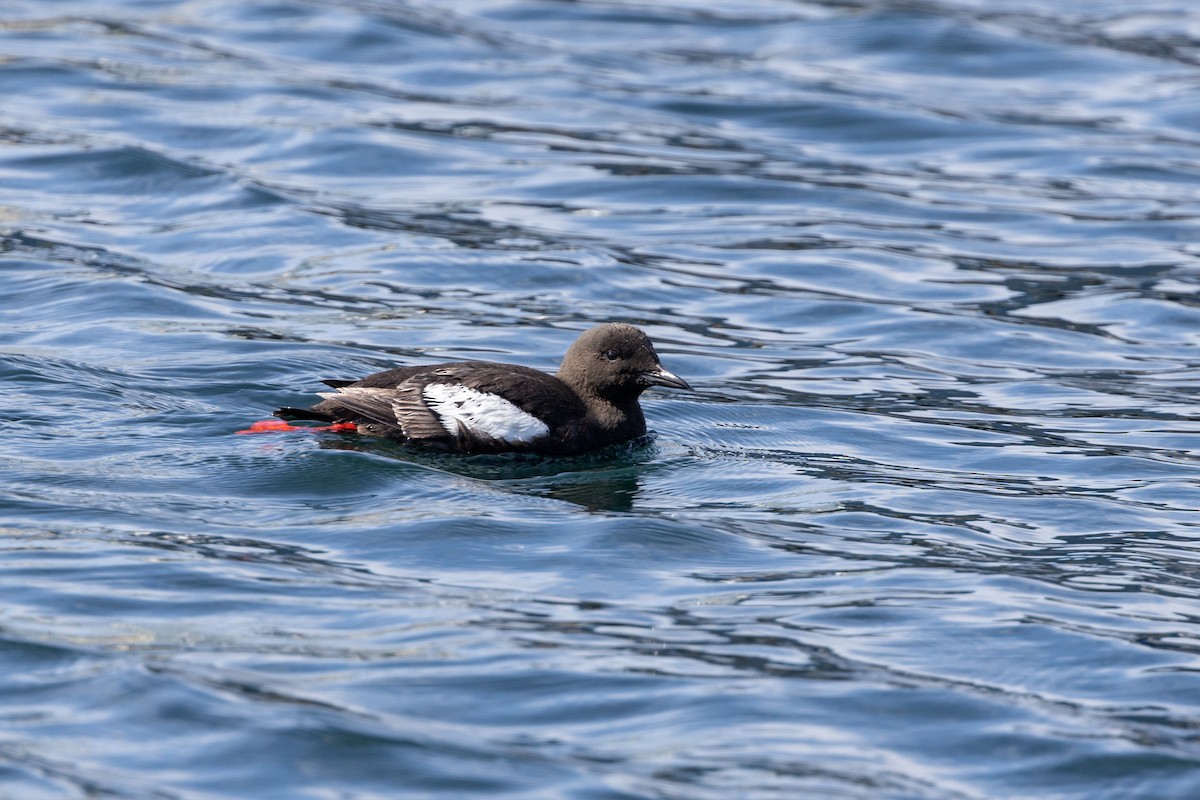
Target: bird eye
(611, 355)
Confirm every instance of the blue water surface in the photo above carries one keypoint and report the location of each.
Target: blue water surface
(927, 528)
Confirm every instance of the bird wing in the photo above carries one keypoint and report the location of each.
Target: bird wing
(529, 391)
(472, 405)
(469, 406)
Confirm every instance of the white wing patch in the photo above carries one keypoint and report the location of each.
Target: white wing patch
(458, 406)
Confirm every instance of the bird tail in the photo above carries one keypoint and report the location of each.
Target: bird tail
(291, 414)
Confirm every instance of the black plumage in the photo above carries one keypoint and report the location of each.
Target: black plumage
(487, 407)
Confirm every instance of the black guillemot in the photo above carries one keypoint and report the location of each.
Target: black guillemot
(486, 407)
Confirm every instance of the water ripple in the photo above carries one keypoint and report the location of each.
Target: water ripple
(925, 529)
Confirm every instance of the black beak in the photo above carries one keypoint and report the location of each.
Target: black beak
(660, 377)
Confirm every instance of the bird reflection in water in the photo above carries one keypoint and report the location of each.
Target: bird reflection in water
(606, 480)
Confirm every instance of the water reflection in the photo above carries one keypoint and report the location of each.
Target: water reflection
(606, 480)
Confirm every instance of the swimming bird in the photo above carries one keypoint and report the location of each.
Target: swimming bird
(487, 407)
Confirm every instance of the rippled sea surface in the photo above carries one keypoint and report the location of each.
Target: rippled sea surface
(927, 528)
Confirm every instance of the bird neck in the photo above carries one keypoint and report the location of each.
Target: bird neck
(613, 407)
